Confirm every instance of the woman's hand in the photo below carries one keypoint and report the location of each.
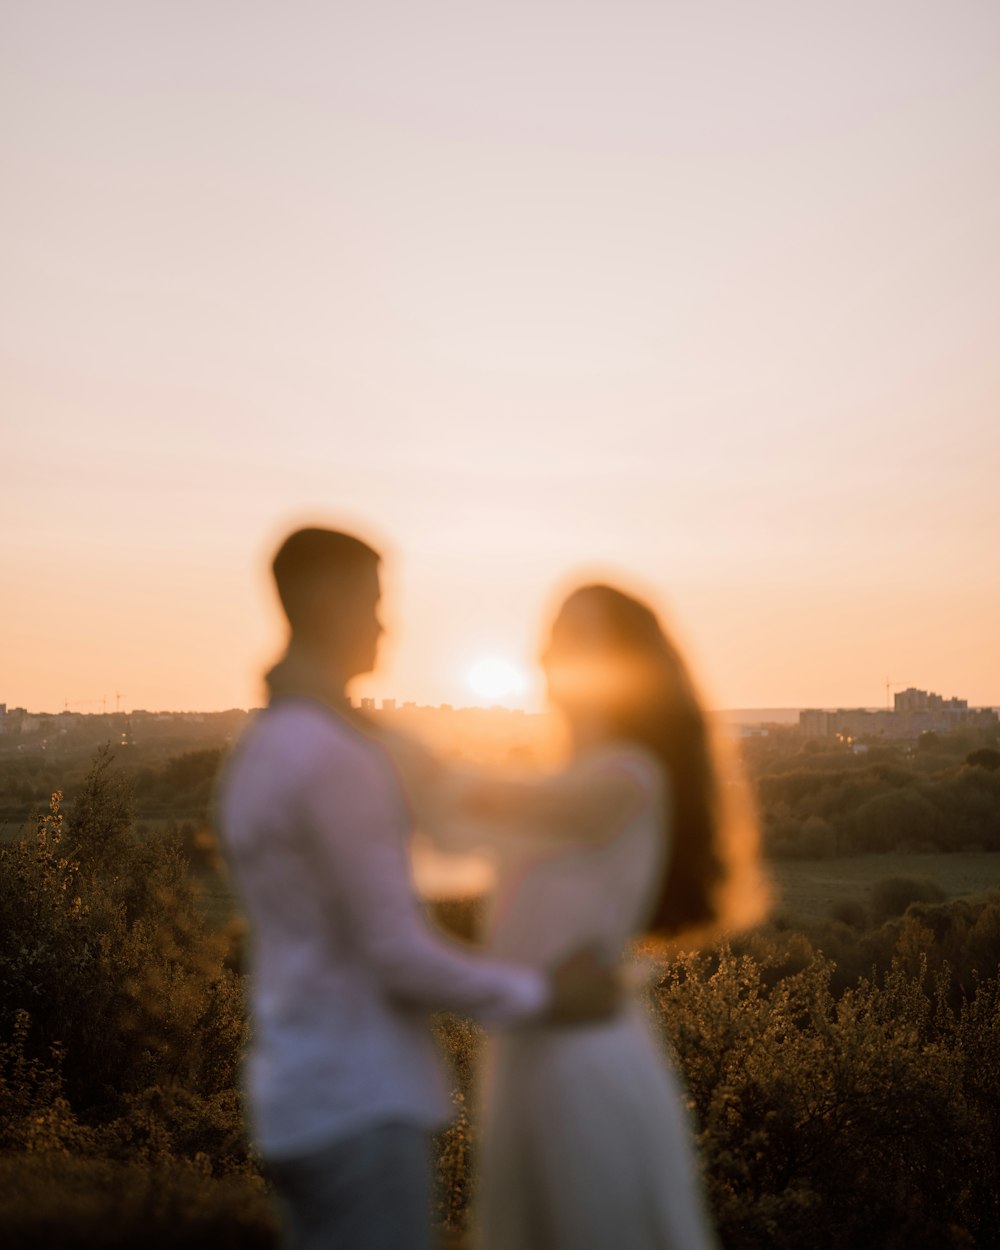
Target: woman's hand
(585, 989)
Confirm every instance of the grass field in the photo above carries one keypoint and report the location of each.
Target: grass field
(806, 887)
(811, 887)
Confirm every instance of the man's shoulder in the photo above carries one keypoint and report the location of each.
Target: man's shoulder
(304, 733)
(295, 745)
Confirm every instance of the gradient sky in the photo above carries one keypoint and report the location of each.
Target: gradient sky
(705, 296)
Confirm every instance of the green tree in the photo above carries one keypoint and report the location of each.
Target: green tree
(106, 949)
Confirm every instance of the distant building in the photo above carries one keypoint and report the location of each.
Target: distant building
(814, 722)
(860, 722)
(368, 705)
(913, 700)
(910, 700)
(738, 730)
(914, 712)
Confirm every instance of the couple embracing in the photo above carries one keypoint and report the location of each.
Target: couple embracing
(585, 1144)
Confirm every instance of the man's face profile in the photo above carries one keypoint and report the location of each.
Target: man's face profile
(367, 627)
(328, 583)
(347, 620)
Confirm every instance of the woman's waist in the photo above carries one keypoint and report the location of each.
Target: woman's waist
(546, 951)
(541, 1035)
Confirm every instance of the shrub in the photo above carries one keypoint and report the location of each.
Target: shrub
(817, 839)
(120, 1034)
(834, 1123)
(850, 911)
(34, 1113)
(890, 819)
(892, 895)
(79, 1203)
(984, 757)
(105, 948)
(962, 937)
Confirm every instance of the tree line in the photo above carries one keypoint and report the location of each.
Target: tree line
(817, 804)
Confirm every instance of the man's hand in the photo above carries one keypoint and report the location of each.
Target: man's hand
(584, 989)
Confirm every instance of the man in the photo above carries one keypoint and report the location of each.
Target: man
(343, 1077)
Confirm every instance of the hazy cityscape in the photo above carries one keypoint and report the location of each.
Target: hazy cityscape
(494, 735)
(914, 711)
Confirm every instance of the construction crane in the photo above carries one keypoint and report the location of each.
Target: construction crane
(103, 701)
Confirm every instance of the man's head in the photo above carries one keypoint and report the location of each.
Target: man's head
(329, 587)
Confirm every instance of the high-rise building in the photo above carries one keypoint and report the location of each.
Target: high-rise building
(910, 700)
(915, 712)
(814, 722)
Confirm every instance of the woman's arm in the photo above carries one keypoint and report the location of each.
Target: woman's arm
(588, 801)
(434, 788)
(462, 808)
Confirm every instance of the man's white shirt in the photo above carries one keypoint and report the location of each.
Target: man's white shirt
(344, 965)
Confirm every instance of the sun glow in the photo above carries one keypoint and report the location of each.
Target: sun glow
(496, 679)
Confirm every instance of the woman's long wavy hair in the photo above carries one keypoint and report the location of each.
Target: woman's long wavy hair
(610, 656)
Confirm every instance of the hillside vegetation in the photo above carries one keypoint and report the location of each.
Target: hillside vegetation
(844, 1070)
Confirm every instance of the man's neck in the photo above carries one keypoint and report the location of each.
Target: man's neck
(308, 670)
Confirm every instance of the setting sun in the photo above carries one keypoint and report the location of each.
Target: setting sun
(496, 679)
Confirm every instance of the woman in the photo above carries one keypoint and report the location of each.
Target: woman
(585, 1139)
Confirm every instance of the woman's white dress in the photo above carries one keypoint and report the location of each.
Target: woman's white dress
(586, 1143)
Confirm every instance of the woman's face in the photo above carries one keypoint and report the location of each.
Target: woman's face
(578, 662)
(591, 672)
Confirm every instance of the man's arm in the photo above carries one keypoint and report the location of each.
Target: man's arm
(356, 830)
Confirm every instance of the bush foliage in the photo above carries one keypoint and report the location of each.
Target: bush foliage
(817, 801)
(117, 1009)
(838, 1121)
(844, 1073)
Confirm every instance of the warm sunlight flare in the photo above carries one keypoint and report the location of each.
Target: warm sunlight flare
(496, 679)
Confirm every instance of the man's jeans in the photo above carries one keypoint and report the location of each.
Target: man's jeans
(370, 1192)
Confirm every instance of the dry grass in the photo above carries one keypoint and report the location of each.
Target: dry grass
(811, 887)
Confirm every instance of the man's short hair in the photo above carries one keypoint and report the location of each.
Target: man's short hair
(309, 557)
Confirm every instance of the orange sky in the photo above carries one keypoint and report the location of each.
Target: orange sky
(707, 295)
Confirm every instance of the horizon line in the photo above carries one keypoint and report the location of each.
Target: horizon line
(410, 705)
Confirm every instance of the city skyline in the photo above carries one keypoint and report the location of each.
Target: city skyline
(390, 703)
